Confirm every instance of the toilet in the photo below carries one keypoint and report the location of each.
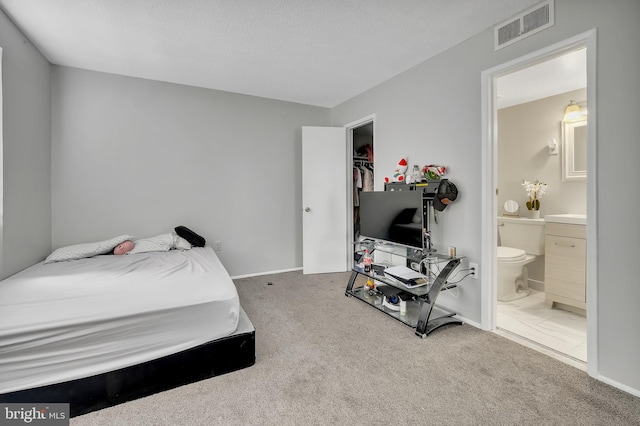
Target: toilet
(521, 240)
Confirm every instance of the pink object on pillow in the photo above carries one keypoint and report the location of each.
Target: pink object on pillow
(123, 247)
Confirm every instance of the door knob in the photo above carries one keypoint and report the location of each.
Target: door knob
(307, 209)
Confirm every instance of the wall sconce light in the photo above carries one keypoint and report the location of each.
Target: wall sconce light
(572, 112)
(553, 146)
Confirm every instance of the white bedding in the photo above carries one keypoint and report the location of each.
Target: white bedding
(68, 320)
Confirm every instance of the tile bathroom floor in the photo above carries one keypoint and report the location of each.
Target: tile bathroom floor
(559, 330)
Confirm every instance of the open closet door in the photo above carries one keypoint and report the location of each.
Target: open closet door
(324, 200)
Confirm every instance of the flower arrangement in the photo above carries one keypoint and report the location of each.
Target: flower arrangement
(535, 190)
(433, 171)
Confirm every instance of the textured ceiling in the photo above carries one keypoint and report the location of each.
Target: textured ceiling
(317, 52)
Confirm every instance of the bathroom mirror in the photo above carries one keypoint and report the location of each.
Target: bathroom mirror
(574, 150)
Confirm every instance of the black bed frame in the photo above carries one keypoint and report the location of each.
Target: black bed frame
(115, 387)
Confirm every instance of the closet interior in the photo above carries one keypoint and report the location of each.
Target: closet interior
(363, 168)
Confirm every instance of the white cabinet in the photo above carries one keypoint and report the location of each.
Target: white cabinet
(565, 264)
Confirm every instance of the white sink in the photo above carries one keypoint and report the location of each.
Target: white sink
(576, 219)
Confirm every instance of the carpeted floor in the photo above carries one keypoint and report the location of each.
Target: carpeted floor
(323, 358)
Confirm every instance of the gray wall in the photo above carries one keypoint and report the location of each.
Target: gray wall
(133, 156)
(26, 152)
(432, 113)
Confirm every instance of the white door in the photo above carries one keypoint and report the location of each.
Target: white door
(324, 200)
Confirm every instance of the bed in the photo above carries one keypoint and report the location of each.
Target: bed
(102, 330)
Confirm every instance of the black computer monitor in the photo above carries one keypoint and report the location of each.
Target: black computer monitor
(400, 217)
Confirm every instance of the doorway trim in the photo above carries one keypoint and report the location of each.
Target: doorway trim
(489, 184)
(349, 157)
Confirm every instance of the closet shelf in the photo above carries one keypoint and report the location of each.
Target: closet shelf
(361, 160)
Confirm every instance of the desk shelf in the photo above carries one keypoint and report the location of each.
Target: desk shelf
(421, 313)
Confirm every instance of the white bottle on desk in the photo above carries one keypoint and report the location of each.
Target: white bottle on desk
(367, 260)
(403, 307)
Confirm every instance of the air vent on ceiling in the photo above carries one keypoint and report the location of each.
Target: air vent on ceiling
(525, 24)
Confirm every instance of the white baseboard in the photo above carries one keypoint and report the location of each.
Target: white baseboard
(466, 321)
(615, 384)
(536, 285)
(258, 274)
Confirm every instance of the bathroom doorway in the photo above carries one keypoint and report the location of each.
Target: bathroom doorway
(530, 108)
(518, 116)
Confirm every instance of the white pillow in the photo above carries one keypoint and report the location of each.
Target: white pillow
(79, 251)
(162, 242)
(180, 243)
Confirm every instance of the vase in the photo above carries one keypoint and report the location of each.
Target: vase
(534, 214)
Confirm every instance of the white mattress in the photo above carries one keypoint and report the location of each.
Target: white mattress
(69, 320)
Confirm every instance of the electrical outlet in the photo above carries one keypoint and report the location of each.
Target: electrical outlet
(217, 245)
(474, 272)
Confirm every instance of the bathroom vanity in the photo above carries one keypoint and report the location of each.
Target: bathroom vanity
(565, 260)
